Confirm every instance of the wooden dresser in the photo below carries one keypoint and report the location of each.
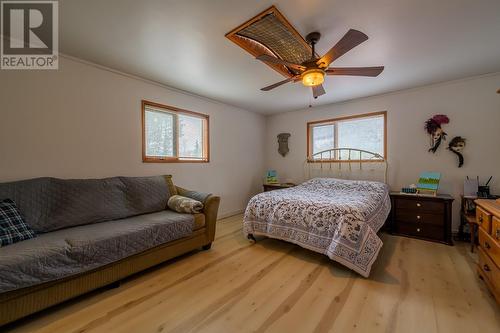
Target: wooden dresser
(423, 217)
(488, 219)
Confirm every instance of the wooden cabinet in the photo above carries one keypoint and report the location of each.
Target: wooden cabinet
(495, 228)
(483, 219)
(488, 268)
(423, 217)
(490, 273)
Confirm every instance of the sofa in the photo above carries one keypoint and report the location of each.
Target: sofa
(92, 233)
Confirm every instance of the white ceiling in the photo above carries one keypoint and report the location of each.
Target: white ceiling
(181, 43)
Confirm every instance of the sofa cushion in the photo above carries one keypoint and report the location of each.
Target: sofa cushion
(103, 243)
(146, 194)
(13, 229)
(84, 201)
(32, 197)
(34, 261)
(49, 204)
(66, 252)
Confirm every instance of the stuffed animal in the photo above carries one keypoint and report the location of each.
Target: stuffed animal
(433, 127)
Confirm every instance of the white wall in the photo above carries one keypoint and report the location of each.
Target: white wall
(84, 122)
(474, 110)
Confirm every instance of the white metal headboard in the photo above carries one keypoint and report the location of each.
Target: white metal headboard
(347, 163)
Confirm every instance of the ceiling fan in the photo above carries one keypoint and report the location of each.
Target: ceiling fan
(312, 72)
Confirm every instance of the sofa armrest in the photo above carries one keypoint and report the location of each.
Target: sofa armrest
(199, 196)
(210, 208)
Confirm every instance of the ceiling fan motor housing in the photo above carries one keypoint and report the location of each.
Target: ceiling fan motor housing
(313, 37)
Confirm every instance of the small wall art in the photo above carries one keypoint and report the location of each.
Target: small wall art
(456, 146)
(283, 143)
(436, 132)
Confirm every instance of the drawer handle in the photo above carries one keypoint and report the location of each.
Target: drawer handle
(418, 217)
(498, 234)
(418, 229)
(481, 219)
(419, 204)
(486, 268)
(487, 246)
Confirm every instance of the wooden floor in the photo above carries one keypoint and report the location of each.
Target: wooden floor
(273, 286)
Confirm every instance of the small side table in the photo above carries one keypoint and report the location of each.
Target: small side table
(423, 217)
(277, 186)
(468, 216)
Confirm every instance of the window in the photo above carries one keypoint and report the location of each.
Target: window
(173, 135)
(364, 132)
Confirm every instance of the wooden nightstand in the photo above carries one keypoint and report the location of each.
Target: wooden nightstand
(271, 187)
(423, 217)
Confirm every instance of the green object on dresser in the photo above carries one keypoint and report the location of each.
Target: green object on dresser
(272, 177)
(428, 183)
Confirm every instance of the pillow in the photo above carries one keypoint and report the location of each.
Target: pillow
(182, 204)
(12, 226)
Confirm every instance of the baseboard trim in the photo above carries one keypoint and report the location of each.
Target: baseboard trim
(229, 214)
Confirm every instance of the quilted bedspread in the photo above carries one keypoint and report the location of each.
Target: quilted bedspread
(339, 218)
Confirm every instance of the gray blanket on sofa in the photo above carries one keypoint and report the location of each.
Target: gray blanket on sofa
(62, 253)
(83, 224)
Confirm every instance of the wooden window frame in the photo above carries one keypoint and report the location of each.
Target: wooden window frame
(335, 120)
(175, 159)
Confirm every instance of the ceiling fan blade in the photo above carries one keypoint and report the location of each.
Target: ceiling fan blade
(350, 40)
(355, 71)
(318, 91)
(268, 58)
(277, 84)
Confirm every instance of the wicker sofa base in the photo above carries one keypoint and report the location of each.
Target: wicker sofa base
(20, 303)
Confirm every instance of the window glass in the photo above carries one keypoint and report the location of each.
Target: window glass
(159, 133)
(365, 134)
(173, 135)
(359, 132)
(323, 138)
(190, 137)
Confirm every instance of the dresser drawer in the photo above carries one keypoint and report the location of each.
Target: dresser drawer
(489, 270)
(490, 246)
(418, 205)
(420, 217)
(420, 230)
(495, 228)
(483, 218)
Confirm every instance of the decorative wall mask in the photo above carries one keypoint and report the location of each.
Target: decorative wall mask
(456, 146)
(283, 143)
(433, 127)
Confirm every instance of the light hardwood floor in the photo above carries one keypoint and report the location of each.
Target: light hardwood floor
(273, 286)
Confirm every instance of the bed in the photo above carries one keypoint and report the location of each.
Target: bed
(336, 217)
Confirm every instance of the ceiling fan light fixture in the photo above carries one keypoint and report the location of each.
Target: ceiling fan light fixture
(313, 77)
